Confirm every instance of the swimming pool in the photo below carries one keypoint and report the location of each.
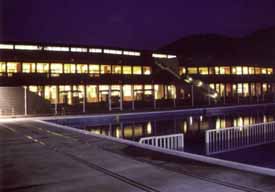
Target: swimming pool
(192, 125)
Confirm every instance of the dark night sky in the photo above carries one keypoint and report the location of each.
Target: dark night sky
(142, 24)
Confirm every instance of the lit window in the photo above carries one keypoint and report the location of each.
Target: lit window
(217, 70)
(28, 47)
(239, 70)
(251, 70)
(56, 68)
(127, 92)
(269, 71)
(264, 86)
(257, 70)
(112, 51)
(28, 67)
(159, 91)
(131, 53)
(148, 89)
(92, 93)
(171, 91)
(245, 70)
(95, 50)
(104, 69)
(127, 70)
(94, 69)
(225, 71)
(82, 68)
(245, 89)
(137, 70)
(155, 55)
(171, 56)
(182, 70)
(116, 69)
(42, 67)
(203, 70)
(69, 68)
(192, 70)
(264, 72)
(56, 48)
(240, 88)
(13, 67)
(2, 67)
(147, 70)
(78, 49)
(6, 46)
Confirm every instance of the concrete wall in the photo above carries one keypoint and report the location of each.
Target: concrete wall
(12, 102)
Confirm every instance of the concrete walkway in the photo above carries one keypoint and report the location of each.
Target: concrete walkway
(39, 157)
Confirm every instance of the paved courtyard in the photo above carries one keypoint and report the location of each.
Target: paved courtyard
(39, 157)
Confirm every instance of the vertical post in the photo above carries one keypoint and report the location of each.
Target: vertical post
(84, 99)
(25, 101)
(133, 97)
(121, 98)
(209, 95)
(155, 103)
(192, 94)
(110, 98)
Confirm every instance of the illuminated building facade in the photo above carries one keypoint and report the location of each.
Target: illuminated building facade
(69, 78)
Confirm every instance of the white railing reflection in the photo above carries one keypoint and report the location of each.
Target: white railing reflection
(234, 138)
(175, 141)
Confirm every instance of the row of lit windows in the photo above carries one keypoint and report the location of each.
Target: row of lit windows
(80, 49)
(241, 89)
(67, 49)
(58, 68)
(227, 70)
(97, 93)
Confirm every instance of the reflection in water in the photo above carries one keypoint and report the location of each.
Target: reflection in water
(193, 127)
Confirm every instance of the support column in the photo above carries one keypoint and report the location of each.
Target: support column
(84, 99)
(155, 102)
(25, 101)
(110, 98)
(133, 97)
(56, 100)
(209, 95)
(192, 94)
(121, 98)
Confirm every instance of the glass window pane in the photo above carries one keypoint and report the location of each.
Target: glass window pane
(127, 92)
(251, 70)
(28, 67)
(182, 70)
(192, 70)
(82, 68)
(127, 70)
(42, 67)
(94, 69)
(203, 70)
(56, 68)
(245, 70)
(104, 69)
(239, 70)
(2, 67)
(147, 70)
(269, 71)
(217, 70)
(257, 70)
(137, 70)
(69, 68)
(225, 70)
(13, 67)
(92, 93)
(116, 69)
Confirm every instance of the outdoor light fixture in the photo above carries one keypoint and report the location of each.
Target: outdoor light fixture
(199, 84)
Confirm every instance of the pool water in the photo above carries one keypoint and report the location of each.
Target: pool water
(192, 126)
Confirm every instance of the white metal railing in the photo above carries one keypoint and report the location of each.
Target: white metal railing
(233, 138)
(175, 141)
